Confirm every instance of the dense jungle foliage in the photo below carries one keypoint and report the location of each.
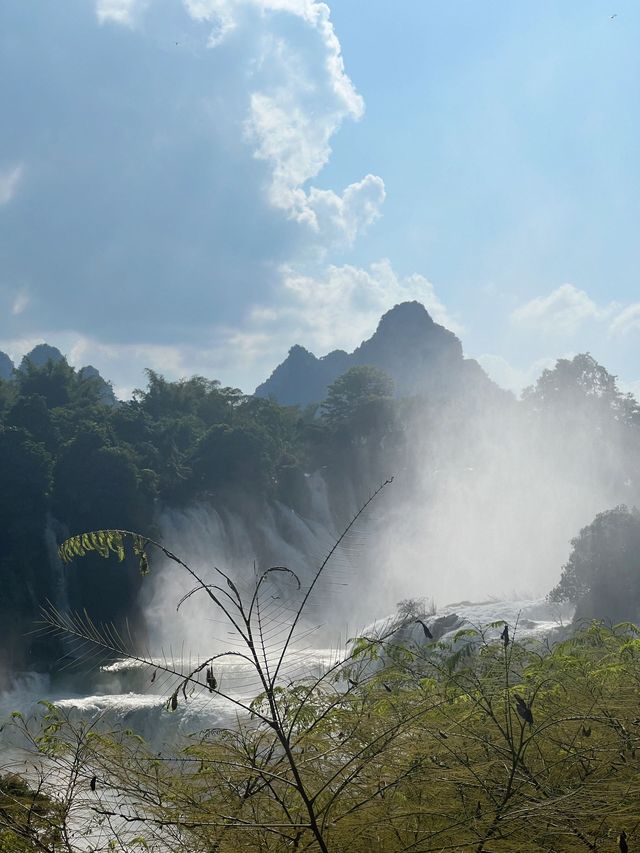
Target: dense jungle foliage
(71, 463)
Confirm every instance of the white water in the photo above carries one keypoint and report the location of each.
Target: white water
(126, 698)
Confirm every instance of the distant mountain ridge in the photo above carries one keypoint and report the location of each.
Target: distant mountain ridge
(44, 353)
(420, 355)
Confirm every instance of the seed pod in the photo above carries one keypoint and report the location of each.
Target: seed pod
(523, 710)
(425, 628)
(212, 684)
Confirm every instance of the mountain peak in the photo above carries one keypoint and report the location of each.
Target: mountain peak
(40, 355)
(408, 315)
(420, 355)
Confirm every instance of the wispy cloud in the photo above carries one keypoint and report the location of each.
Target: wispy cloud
(628, 320)
(9, 181)
(20, 303)
(124, 12)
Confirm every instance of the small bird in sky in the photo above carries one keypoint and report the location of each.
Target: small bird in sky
(611, 17)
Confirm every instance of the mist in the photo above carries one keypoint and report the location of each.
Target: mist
(487, 494)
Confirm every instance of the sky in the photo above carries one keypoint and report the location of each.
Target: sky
(196, 185)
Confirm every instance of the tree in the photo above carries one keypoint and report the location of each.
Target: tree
(196, 396)
(602, 575)
(356, 393)
(31, 414)
(24, 576)
(581, 385)
(53, 381)
(232, 458)
(29, 819)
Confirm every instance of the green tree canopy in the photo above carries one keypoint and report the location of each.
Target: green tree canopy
(355, 394)
(580, 384)
(53, 381)
(602, 575)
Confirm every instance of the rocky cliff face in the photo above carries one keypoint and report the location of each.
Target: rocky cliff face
(107, 397)
(421, 356)
(6, 366)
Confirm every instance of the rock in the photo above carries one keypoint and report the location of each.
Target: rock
(6, 367)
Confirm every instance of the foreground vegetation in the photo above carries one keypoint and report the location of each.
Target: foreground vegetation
(478, 745)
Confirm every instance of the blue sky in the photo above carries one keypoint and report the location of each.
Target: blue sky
(195, 185)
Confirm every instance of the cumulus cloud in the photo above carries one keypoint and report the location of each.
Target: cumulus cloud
(567, 309)
(9, 181)
(294, 112)
(564, 311)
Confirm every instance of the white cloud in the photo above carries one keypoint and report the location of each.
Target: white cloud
(567, 309)
(295, 109)
(15, 348)
(9, 182)
(563, 311)
(340, 218)
(339, 306)
(299, 95)
(628, 320)
(124, 12)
